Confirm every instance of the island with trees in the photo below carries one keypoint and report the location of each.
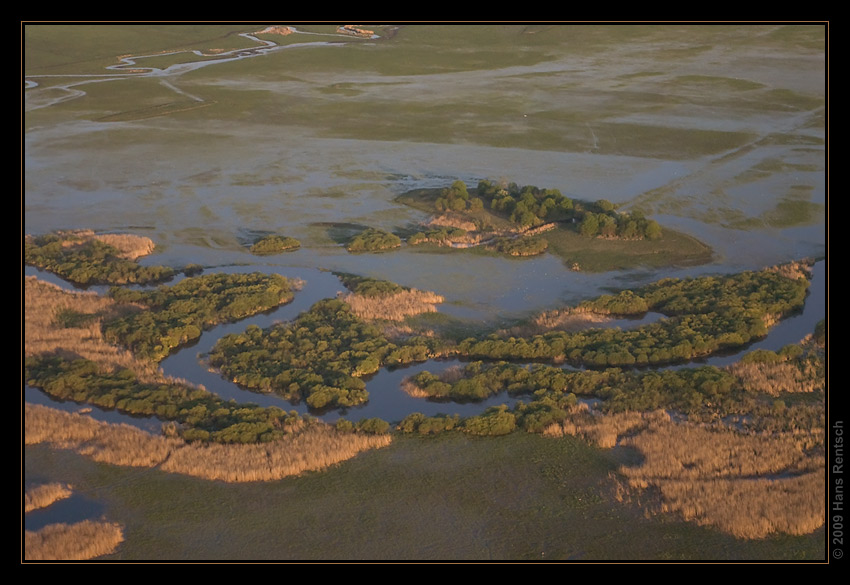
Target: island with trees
(274, 244)
(515, 220)
(590, 383)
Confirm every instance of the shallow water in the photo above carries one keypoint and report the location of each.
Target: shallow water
(722, 142)
(718, 132)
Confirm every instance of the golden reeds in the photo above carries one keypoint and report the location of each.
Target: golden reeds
(72, 542)
(129, 246)
(314, 447)
(603, 430)
(746, 484)
(43, 495)
(44, 303)
(749, 507)
(393, 307)
(775, 378)
(749, 485)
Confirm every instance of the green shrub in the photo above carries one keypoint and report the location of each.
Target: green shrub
(272, 244)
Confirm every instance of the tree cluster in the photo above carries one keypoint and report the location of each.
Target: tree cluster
(373, 240)
(457, 198)
(177, 314)
(705, 315)
(621, 225)
(89, 261)
(200, 414)
(319, 358)
(522, 246)
(527, 206)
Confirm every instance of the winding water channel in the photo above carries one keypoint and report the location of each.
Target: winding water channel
(386, 398)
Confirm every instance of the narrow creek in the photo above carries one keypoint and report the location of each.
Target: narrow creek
(387, 400)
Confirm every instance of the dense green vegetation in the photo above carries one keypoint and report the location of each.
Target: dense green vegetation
(88, 262)
(587, 236)
(177, 314)
(705, 315)
(368, 287)
(443, 236)
(529, 206)
(523, 246)
(685, 390)
(320, 357)
(201, 415)
(704, 393)
(273, 244)
(373, 240)
(457, 198)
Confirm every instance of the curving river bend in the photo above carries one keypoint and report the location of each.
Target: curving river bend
(386, 398)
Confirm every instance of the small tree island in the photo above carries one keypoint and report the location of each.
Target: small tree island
(526, 221)
(274, 244)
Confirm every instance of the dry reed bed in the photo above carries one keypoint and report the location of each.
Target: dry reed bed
(129, 246)
(452, 221)
(569, 319)
(412, 390)
(42, 496)
(72, 542)
(604, 430)
(775, 379)
(748, 485)
(316, 447)
(394, 307)
(43, 302)
(749, 508)
(686, 451)
(795, 270)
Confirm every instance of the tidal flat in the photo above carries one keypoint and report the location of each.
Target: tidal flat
(718, 132)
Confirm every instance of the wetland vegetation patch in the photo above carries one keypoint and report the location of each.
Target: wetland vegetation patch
(274, 244)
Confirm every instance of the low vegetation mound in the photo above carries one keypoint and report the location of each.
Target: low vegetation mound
(69, 324)
(72, 542)
(177, 314)
(522, 246)
(373, 299)
(373, 240)
(85, 258)
(273, 244)
(44, 495)
(312, 447)
(750, 486)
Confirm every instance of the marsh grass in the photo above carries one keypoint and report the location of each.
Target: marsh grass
(393, 307)
(521, 497)
(601, 255)
(72, 542)
(68, 323)
(748, 485)
(42, 496)
(314, 447)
